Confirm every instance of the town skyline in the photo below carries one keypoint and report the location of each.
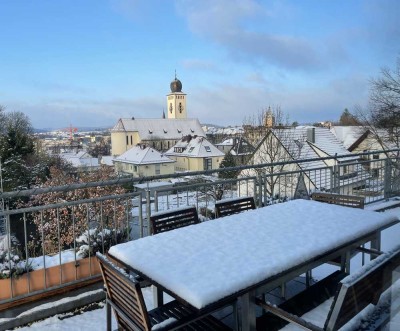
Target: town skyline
(90, 63)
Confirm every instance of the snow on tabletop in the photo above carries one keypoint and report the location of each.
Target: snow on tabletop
(206, 262)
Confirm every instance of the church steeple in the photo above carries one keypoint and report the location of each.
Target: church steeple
(176, 100)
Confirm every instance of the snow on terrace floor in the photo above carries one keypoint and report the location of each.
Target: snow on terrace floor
(96, 320)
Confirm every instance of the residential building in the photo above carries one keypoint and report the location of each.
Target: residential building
(195, 153)
(141, 161)
(358, 139)
(301, 143)
(238, 147)
(81, 160)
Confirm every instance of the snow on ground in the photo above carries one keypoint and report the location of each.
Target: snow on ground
(96, 320)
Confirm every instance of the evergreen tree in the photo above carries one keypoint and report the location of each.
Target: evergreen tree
(228, 162)
(347, 119)
(16, 149)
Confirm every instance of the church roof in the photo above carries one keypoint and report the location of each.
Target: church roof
(163, 129)
(142, 154)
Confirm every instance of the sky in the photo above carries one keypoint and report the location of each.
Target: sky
(89, 63)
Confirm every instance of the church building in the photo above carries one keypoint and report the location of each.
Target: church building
(160, 134)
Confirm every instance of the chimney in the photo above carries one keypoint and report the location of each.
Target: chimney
(311, 135)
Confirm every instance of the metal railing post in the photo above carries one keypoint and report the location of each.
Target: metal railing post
(148, 210)
(259, 179)
(387, 179)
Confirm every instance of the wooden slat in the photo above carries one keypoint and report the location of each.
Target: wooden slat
(366, 290)
(233, 206)
(339, 199)
(173, 219)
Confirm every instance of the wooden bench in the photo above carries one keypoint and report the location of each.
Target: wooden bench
(173, 219)
(233, 206)
(339, 199)
(354, 293)
(124, 295)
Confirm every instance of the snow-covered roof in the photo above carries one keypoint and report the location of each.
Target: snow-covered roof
(167, 129)
(242, 147)
(194, 147)
(298, 143)
(80, 159)
(239, 146)
(141, 154)
(78, 154)
(348, 135)
(107, 160)
(352, 136)
(224, 131)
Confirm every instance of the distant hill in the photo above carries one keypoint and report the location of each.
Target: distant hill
(80, 129)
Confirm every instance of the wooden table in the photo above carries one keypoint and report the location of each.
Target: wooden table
(209, 265)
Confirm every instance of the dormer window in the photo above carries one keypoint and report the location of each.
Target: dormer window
(179, 131)
(191, 130)
(207, 148)
(150, 131)
(178, 149)
(191, 149)
(165, 131)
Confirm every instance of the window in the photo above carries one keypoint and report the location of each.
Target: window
(127, 141)
(207, 164)
(131, 140)
(157, 167)
(207, 148)
(376, 157)
(135, 168)
(375, 173)
(191, 149)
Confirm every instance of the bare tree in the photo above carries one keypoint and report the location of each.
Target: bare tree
(279, 143)
(257, 125)
(382, 116)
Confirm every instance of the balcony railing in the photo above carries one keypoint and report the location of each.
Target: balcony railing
(48, 247)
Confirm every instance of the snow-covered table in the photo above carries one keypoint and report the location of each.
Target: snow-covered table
(211, 263)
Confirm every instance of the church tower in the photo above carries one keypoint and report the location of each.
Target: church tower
(176, 101)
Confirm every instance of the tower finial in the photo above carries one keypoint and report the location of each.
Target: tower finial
(175, 73)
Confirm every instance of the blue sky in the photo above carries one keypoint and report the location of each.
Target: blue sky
(88, 63)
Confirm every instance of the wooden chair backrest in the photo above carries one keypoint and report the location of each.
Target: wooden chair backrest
(233, 206)
(339, 199)
(125, 295)
(354, 295)
(173, 219)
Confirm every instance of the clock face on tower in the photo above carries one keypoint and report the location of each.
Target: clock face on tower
(170, 108)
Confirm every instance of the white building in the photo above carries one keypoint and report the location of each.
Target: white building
(141, 161)
(194, 153)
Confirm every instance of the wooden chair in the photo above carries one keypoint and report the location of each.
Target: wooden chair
(339, 199)
(233, 206)
(124, 295)
(173, 219)
(353, 294)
